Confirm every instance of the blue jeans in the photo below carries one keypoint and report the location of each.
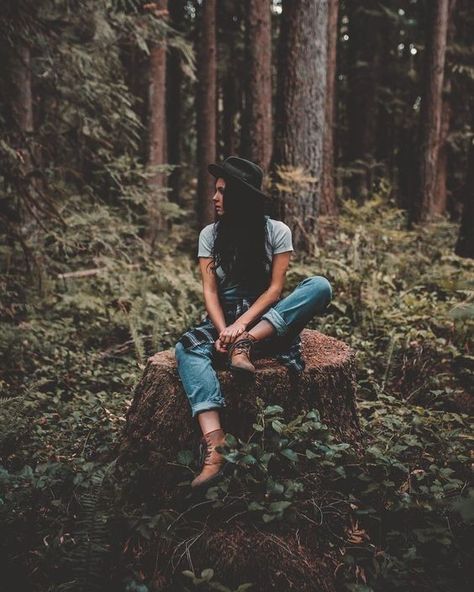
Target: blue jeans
(288, 317)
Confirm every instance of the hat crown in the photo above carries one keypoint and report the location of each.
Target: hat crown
(246, 170)
(245, 173)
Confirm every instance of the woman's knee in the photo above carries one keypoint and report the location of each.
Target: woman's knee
(322, 288)
(178, 350)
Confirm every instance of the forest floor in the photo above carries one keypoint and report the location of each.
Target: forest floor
(74, 347)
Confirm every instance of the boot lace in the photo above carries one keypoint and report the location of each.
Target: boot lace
(242, 346)
(205, 451)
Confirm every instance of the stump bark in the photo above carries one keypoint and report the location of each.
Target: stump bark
(159, 418)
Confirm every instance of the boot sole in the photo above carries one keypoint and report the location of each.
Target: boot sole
(242, 371)
(209, 482)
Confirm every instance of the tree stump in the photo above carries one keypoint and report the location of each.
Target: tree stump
(279, 556)
(159, 418)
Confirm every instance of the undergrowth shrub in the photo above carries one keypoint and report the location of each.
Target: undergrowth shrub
(73, 351)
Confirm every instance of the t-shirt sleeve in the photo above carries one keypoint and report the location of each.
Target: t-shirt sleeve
(282, 239)
(205, 242)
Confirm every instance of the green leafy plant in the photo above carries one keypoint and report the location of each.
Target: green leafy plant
(206, 581)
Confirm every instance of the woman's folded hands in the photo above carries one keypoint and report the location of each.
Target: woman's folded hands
(229, 335)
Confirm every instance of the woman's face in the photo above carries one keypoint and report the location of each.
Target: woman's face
(218, 198)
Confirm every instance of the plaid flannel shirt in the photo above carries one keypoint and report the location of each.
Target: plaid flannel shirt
(287, 351)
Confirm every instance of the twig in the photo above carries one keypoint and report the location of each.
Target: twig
(80, 274)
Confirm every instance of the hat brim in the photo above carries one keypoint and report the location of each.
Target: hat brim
(217, 170)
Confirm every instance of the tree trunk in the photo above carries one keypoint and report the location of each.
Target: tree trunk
(20, 101)
(231, 81)
(206, 111)
(441, 190)
(300, 116)
(385, 133)
(328, 204)
(157, 131)
(136, 73)
(406, 164)
(362, 79)
(465, 243)
(259, 84)
(432, 108)
(440, 193)
(174, 105)
(18, 96)
(231, 107)
(20, 89)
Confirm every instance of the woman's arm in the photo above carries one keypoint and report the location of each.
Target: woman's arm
(280, 264)
(211, 295)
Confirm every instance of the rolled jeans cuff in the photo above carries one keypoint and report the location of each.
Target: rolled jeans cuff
(206, 406)
(275, 318)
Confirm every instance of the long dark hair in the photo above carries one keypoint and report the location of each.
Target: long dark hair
(240, 236)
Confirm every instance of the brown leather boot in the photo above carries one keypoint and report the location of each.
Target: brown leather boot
(239, 353)
(213, 460)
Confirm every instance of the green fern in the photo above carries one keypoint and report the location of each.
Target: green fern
(86, 562)
(13, 422)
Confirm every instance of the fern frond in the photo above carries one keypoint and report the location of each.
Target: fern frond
(92, 537)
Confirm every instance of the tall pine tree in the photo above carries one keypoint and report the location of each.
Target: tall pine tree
(206, 110)
(300, 115)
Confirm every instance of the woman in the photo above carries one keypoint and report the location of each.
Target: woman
(243, 259)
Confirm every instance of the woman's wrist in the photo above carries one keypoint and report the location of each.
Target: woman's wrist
(215, 312)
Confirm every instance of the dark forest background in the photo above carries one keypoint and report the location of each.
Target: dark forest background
(361, 115)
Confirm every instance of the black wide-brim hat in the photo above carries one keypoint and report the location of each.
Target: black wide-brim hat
(244, 172)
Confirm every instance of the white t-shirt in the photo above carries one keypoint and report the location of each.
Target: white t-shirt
(279, 241)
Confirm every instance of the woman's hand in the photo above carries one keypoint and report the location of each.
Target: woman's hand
(230, 333)
(220, 347)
